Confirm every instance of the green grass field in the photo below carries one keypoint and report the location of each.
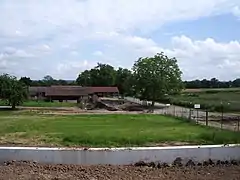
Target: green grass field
(211, 99)
(105, 130)
(44, 104)
(211, 89)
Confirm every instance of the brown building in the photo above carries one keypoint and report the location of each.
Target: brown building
(71, 92)
(37, 92)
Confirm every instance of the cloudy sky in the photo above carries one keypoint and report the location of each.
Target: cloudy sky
(65, 37)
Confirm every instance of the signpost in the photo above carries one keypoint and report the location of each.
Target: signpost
(197, 106)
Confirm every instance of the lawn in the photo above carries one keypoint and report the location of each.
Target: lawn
(105, 130)
(211, 89)
(210, 99)
(43, 104)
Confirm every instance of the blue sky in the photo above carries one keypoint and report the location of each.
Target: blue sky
(64, 37)
(222, 28)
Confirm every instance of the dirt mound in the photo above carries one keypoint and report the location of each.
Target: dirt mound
(106, 106)
(31, 170)
(132, 107)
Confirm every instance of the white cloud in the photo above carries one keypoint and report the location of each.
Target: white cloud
(71, 67)
(74, 53)
(38, 17)
(46, 47)
(3, 64)
(236, 11)
(22, 54)
(11, 58)
(98, 53)
(44, 33)
(197, 58)
(207, 58)
(10, 52)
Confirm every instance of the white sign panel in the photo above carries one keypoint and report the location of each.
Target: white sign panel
(197, 106)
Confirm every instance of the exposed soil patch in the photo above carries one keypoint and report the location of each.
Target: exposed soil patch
(19, 139)
(26, 170)
(35, 143)
(167, 144)
(72, 111)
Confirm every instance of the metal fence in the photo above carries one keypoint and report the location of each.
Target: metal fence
(198, 116)
(218, 120)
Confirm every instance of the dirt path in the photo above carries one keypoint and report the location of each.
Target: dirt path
(25, 171)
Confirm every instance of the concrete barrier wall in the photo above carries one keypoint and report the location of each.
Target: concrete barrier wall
(119, 156)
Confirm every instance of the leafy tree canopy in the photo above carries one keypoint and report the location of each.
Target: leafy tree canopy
(14, 92)
(106, 75)
(100, 75)
(156, 76)
(124, 81)
(26, 80)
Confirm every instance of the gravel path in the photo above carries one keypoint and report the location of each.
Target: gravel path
(34, 171)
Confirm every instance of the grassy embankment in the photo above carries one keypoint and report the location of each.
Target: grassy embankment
(105, 130)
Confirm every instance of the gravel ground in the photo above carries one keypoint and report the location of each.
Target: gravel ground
(27, 170)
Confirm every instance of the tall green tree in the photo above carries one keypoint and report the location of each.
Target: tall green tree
(61, 82)
(236, 83)
(124, 81)
(156, 76)
(4, 84)
(106, 75)
(100, 75)
(48, 80)
(85, 78)
(14, 92)
(26, 80)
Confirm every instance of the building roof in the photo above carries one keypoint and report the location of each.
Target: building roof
(36, 89)
(71, 90)
(65, 86)
(104, 89)
(66, 91)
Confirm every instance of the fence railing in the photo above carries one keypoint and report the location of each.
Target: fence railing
(199, 116)
(218, 120)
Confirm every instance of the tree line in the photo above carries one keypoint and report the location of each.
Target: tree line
(107, 75)
(212, 83)
(46, 81)
(150, 78)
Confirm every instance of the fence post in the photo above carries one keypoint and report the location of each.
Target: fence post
(206, 117)
(174, 111)
(222, 116)
(238, 123)
(197, 116)
(221, 122)
(190, 114)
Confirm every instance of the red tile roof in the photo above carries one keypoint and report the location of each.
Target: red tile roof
(104, 89)
(36, 89)
(66, 91)
(72, 90)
